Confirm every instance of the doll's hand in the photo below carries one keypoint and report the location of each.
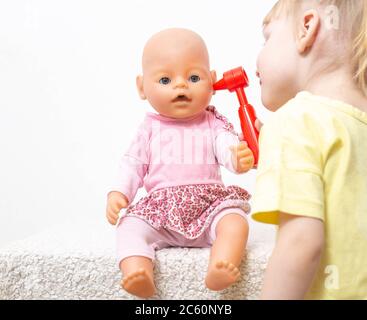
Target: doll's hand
(242, 157)
(115, 202)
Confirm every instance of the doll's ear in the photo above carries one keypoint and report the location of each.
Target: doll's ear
(140, 87)
(214, 78)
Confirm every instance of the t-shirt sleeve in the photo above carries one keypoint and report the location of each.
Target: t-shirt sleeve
(290, 168)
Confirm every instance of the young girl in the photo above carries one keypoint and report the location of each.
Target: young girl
(176, 156)
(312, 173)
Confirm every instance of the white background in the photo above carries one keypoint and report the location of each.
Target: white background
(68, 102)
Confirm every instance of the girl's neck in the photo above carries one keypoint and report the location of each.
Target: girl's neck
(338, 85)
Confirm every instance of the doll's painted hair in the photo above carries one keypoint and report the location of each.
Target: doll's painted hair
(348, 16)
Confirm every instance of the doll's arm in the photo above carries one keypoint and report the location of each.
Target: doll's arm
(130, 173)
(233, 154)
(295, 258)
(130, 177)
(133, 165)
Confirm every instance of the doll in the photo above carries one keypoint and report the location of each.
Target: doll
(176, 155)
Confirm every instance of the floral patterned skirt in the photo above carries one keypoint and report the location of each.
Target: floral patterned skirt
(188, 209)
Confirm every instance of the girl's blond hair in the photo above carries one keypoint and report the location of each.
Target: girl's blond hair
(353, 22)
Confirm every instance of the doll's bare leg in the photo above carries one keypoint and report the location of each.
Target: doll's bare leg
(138, 276)
(226, 252)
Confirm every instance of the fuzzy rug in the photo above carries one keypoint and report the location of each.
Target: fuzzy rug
(77, 261)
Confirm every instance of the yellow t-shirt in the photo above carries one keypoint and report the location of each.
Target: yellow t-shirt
(313, 162)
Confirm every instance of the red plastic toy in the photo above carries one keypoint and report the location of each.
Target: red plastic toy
(236, 80)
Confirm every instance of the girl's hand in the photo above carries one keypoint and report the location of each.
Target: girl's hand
(258, 124)
(242, 157)
(115, 202)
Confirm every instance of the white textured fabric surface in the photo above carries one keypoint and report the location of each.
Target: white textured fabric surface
(77, 261)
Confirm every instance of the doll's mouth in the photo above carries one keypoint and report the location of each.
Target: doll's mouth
(181, 98)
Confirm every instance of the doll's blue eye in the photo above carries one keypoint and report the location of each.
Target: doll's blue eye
(194, 78)
(165, 80)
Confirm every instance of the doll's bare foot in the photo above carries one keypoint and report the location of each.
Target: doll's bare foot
(221, 275)
(139, 284)
(226, 252)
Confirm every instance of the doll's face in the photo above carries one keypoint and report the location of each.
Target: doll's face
(176, 78)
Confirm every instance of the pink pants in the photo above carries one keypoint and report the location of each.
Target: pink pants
(135, 237)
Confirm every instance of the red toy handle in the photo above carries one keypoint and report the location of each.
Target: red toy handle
(250, 134)
(236, 80)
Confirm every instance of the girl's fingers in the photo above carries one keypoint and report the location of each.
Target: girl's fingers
(258, 125)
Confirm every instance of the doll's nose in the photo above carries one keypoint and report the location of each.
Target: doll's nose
(181, 83)
(258, 74)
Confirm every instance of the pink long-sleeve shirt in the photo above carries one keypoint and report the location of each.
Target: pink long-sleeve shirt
(168, 152)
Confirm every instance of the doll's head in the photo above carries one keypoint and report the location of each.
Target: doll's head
(176, 78)
(306, 39)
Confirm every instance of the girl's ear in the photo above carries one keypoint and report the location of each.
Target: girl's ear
(308, 31)
(214, 78)
(140, 87)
